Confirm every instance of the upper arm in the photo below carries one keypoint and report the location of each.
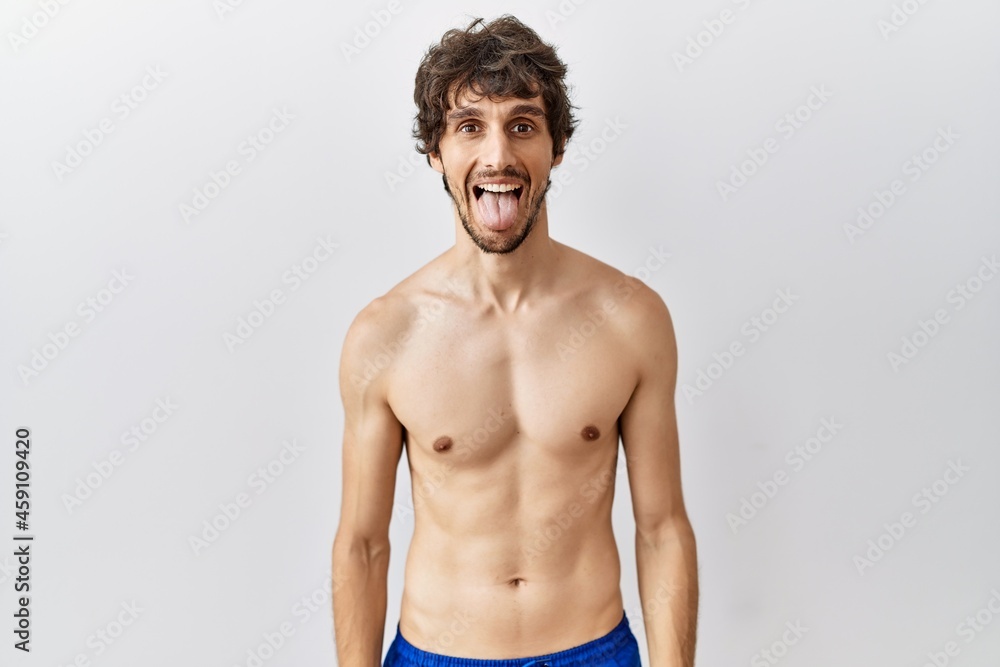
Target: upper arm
(649, 421)
(373, 437)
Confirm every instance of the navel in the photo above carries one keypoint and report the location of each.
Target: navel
(590, 432)
(515, 582)
(442, 444)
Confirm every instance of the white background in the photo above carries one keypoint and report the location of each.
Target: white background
(655, 186)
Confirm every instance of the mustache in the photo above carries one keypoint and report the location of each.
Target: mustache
(505, 173)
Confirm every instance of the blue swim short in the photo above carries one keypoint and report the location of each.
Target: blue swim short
(618, 648)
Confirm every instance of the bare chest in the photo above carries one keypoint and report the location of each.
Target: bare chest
(471, 391)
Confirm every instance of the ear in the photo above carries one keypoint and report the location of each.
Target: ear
(556, 162)
(435, 159)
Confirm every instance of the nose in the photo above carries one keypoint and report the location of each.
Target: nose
(498, 152)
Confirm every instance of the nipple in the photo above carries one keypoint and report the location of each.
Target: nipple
(442, 444)
(590, 432)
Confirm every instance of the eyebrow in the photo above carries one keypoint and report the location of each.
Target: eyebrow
(523, 109)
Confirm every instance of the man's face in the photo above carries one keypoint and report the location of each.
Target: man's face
(496, 158)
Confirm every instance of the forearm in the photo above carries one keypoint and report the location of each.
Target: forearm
(359, 603)
(667, 564)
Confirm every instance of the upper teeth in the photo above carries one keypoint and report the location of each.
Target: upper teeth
(495, 187)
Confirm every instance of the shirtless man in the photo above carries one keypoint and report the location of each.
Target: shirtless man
(508, 367)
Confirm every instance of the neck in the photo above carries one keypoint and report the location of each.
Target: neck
(505, 283)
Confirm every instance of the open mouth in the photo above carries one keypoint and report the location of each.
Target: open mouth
(498, 204)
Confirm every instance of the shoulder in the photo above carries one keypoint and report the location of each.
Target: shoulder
(638, 313)
(640, 309)
(375, 337)
(381, 331)
(367, 334)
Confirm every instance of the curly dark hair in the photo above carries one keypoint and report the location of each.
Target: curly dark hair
(505, 58)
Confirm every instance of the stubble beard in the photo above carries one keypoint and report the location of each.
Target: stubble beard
(501, 245)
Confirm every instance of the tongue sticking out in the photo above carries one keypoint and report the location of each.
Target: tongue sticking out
(498, 209)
